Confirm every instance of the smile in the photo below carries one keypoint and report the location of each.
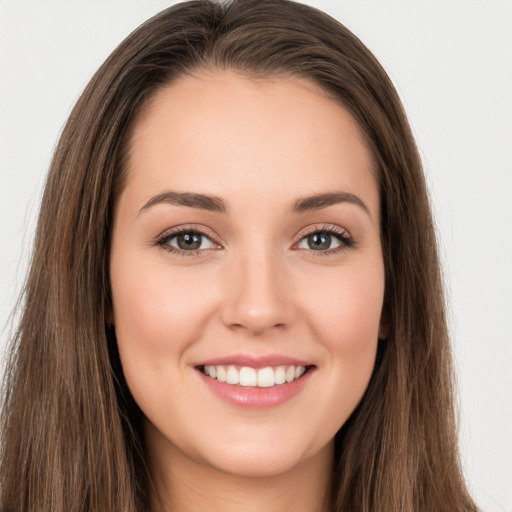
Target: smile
(255, 381)
(247, 376)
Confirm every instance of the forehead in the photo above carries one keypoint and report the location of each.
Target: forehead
(220, 132)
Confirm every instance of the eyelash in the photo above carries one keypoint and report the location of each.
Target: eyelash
(346, 240)
(163, 240)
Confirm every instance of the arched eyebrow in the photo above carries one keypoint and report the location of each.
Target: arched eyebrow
(319, 201)
(217, 204)
(190, 199)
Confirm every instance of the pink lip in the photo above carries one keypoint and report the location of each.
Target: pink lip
(254, 397)
(252, 361)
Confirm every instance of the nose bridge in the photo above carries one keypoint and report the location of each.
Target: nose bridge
(258, 297)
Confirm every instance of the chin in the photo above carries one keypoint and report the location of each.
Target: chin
(264, 459)
(256, 465)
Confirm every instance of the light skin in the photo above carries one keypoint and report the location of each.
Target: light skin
(271, 273)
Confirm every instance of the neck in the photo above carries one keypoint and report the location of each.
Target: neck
(184, 485)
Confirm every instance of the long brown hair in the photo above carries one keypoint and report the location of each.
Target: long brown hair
(71, 436)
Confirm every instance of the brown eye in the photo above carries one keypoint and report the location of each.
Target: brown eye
(190, 241)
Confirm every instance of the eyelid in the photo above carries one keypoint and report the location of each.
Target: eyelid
(321, 228)
(187, 228)
(162, 238)
(347, 241)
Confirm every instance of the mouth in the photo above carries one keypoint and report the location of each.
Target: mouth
(247, 376)
(255, 381)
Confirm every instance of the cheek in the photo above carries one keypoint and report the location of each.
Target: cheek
(346, 309)
(158, 314)
(346, 322)
(345, 316)
(149, 298)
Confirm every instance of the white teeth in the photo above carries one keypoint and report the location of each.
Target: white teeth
(266, 378)
(232, 375)
(247, 376)
(221, 374)
(280, 375)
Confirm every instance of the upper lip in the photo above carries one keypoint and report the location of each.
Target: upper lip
(254, 361)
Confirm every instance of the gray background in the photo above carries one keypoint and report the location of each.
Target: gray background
(451, 61)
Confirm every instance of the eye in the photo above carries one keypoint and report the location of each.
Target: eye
(186, 241)
(328, 240)
(190, 241)
(320, 241)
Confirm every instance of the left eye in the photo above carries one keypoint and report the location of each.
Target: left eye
(190, 241)
(320, 241)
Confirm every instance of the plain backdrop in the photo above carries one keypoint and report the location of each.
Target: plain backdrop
(451, 61)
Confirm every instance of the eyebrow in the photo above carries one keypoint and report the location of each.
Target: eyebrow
(190, 199)
(319, 201)
(216, 204)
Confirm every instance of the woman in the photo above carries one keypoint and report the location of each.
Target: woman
(234, 299)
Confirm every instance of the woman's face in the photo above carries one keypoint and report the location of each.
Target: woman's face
(246, 272)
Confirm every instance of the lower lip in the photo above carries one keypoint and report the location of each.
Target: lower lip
(254, 397)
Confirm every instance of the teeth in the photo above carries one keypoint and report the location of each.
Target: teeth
(266, 378)
(232, 375)
(299, 371)
(280, 375)
(221, 373)
(247, 376)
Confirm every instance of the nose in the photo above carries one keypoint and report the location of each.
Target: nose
(258, 294)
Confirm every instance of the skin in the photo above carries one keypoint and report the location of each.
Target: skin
(255, 287)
